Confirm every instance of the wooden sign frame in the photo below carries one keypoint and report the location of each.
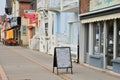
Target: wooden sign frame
(62, 58)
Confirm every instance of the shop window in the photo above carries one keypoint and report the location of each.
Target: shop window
(118, 38)
(98, 37)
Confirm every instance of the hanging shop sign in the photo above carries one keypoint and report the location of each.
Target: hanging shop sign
(33, 18)
(29, 15)
(16, 21)
(100, 4)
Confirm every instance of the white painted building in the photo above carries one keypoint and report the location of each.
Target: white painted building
(15, 8)
(59, 24)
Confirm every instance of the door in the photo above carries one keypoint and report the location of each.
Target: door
(86, 55)
(73, 39)
(110, 36)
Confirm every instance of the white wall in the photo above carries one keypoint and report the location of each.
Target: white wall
(81, 42)
(15, 9)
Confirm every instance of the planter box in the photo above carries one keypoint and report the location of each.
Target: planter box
(116, 65)
(96, 60)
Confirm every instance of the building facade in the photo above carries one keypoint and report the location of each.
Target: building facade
(25, 36)
(99, 38)
(13, 26)
(59, 22)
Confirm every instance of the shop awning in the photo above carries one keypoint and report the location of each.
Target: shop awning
(101, 18)
(9, 28)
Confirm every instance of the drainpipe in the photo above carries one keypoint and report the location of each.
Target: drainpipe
(78, 55)
(78, 51)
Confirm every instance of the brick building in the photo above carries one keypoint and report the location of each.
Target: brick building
(24, 5)
(84, 8)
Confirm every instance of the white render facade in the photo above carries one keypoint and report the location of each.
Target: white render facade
(59, 24)
(15, 8)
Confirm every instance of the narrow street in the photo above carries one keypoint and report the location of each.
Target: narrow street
(19, 63)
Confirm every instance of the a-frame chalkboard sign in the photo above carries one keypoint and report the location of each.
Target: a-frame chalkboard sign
(62, 58)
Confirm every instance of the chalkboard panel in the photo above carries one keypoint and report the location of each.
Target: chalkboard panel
(62, 58)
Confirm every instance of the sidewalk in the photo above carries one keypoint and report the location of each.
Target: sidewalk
(33, 65)
(80, 72)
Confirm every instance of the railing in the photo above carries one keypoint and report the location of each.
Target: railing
(49, 4)
(67, 4)
(54, 4)
(42, 4)
(59, 5)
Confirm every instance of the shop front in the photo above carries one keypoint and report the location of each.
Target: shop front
(10, 37)
(102, 40)
(15, 26)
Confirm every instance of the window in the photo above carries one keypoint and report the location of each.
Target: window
(118, 38)
(46, 29)
(98, 37)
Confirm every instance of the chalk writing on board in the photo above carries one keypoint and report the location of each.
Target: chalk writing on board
(63, 57)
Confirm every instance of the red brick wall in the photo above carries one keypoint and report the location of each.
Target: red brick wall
(24, 6)
(84, 6)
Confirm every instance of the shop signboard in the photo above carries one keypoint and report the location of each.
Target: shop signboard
(100, 4)
(62, 58)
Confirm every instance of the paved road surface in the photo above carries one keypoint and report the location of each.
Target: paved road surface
(20, 63)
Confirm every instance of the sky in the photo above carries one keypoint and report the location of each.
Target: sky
(2, 7)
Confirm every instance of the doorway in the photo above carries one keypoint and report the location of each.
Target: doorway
(110, 43)
(73, 40)
(86, 55)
